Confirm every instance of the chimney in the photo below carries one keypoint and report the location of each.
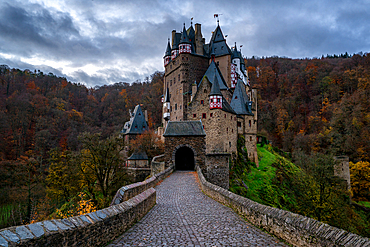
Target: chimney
(198, 31)
(173, 37)
(146, 115)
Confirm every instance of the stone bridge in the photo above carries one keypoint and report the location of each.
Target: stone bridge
(183, 213)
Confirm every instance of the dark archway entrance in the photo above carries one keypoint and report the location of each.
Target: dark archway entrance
(184, 159)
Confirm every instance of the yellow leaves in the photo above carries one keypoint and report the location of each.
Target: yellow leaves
(360, 180)
(75, 115)
(60, 106)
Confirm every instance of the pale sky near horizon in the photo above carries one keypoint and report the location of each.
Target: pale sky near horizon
(97, 42)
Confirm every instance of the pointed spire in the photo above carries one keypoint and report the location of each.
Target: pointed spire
(184, 36)
(215, 89)
(168, 50)
(167, 96)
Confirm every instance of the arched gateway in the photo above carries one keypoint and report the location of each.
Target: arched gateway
(184, 159)
(185, 144)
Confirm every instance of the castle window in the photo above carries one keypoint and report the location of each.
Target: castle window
(236, 97)
(171, 108)
(205, 90)
(229, 144)
(211, 114)
(227, 129)
(135, 126)
(218, 63)
(239, 124)
(222, 47)
(204, 115)
(179, 78)
(250, 138)
(232, 130)
(180, 107)
(170, 66)
(202, 102)
(218, 100)
(194, 115)
(182, 58)
(225, 115)
(170, 82)
(231, 117)
(174, 80)
(175, 107)
(250, 123)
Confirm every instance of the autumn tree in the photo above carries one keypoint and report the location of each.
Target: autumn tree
(360, 180)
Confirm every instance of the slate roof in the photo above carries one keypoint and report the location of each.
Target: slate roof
(138, 155)
(184, 128)
(167, 97)
(218, 43)
(184, 36)
(215, 89)
(240, 102)
(168, 50)
(191, 33)
(211, 72)
(137, 123)
(176, 41)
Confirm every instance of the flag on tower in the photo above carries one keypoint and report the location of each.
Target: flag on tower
(215, 15)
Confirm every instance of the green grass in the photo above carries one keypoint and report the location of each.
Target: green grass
(363, 203)
(262, 175)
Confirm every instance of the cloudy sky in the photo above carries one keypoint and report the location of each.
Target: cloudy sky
(99, 42)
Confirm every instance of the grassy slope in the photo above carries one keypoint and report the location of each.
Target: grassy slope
(273, 183)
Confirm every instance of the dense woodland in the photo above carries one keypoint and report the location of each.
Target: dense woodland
(52, 132)
(315, 105)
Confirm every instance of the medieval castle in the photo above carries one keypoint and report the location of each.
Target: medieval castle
(207, 104)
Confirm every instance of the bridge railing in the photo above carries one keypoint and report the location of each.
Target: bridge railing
(296, 229)
(98, 228)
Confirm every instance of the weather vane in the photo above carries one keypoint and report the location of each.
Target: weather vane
(216, 16)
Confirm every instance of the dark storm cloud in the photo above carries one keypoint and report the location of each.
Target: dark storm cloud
(127, 39)
(112, 75)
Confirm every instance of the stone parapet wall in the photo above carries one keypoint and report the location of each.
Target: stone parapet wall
(138, 174)
(98, 228)
(127, 192)
(93, 229)
(296, 229)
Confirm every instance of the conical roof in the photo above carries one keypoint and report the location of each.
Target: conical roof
(191, 34)
(215, 89)
(167, 97)
(212, 71)
(168, 50)
(184, 36)
(240, 101)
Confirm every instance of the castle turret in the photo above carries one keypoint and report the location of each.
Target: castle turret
(215, 97)
(166, 106)
(167, 55)
(184, 45)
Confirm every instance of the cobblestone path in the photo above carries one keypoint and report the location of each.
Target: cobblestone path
(184, 216)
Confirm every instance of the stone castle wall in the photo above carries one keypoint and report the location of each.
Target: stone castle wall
(180, 74)
(296, 229)
(220, 126)
(217, 169)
